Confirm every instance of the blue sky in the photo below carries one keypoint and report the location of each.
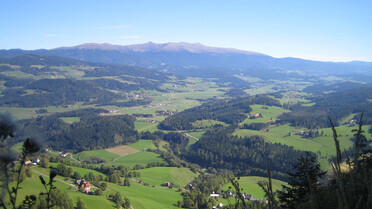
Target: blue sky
(318, 30)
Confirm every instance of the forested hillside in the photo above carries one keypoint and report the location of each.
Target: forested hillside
(217, 148)
(228, 111)
(335, 105)
(90, 132)
(47, 92)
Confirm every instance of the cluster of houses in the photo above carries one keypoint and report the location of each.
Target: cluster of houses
(111, 112)
(166, 112)
(32, 162)
(64, 154)
(228, 193)
(309, 133)
(84, 184)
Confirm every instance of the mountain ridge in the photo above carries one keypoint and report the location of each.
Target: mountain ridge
(195, 59)
(161, 47)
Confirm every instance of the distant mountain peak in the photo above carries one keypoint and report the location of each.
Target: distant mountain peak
(164, 47)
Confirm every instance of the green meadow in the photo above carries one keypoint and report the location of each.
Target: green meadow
(70, 120)
(143, 197)
(157, 175)
(143, 126)
(33, 185)
(140, 196)
(140, 158)
(268, 115)
(101, 153)
(250, 186)
(142, 144)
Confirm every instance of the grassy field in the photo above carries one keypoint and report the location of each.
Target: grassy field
(142, 144)
(268, 115)
(33, 186)
(142, 126)
(101, 153)
(141, 158)
(143, 197)
(122, 150)
(250, 186)
(157, 175)
(140, 196)
(70, 120)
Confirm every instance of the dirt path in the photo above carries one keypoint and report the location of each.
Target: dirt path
(191, 136)
(121, 157)
(64, 182)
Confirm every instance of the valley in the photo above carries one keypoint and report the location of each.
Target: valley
(163, 127)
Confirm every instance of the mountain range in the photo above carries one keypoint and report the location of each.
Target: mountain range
(195, 59)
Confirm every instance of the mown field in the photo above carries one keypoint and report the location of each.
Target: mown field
(250, 186)
(143, 197)
(140, 158)
(113, 153)
(143, 126)
(157, 175)
(101, 153)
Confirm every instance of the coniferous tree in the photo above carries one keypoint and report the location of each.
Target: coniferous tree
(303, 181)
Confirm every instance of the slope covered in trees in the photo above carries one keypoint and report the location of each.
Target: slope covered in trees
(40, 81)
(217, 148)
(91, 132)
(47, 92)
(336, 105)
(228, 111)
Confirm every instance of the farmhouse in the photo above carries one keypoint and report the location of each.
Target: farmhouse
(64, 155)
(254, 115)
(167, 184)
(84, 184)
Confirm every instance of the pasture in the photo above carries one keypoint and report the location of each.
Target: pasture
(143, 126)
(122, 150)
(32, 185)
(143, 197)
(268, 115)
(143, 144)
(101, 153)
(157, 175)
(140, 158)
(250, 186)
